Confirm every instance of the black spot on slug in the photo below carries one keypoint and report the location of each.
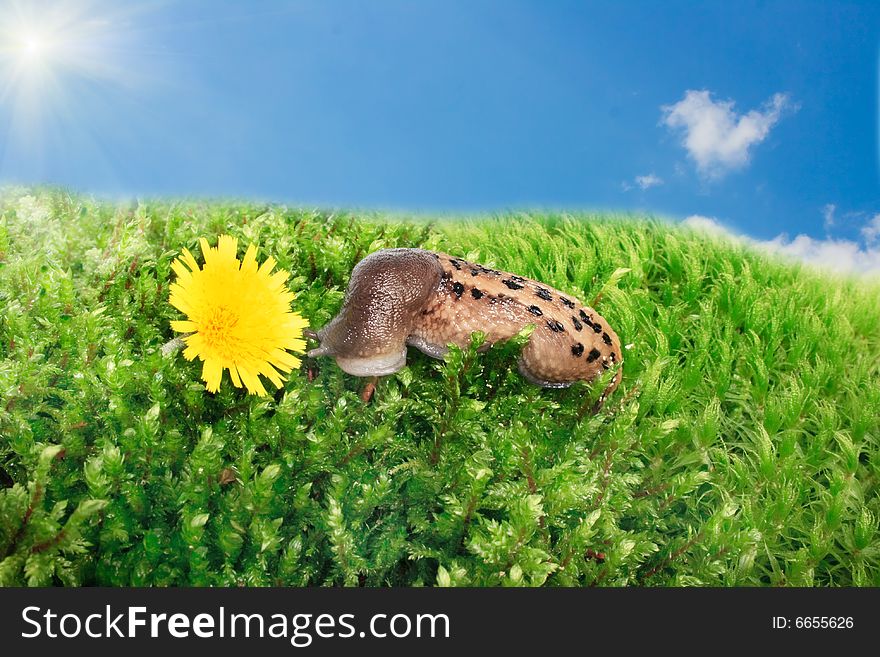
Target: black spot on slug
(593, 355)
(455, 264)
(566, 302)
(535, 310)
(518, 279)
(544, 294)
(555, 326)
(577, 324)
(584, 318)
(476, 294)
(577, 350)
(613, 357)
(513, 285)
(474, 272)
(597, 327)
(458, 288)
(606, 338)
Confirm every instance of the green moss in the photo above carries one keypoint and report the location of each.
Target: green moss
(740, 449)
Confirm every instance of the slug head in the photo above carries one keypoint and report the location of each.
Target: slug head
(386, 292)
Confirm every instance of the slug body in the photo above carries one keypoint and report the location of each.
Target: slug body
(412, 297)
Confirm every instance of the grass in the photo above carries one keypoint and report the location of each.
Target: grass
(741, 448)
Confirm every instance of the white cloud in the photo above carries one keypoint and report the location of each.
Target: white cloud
(828, 215)
(707, 225)
(871, 230)
(643, 182)
(715, 136)
(648, 181)
(843, 256)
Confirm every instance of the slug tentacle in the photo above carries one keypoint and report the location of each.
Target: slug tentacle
(319, 351)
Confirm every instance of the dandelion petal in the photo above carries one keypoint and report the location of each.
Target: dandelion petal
(239, 316)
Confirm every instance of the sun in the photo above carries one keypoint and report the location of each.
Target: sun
(55, 57)
(61, 38)
(33, 46)
(34, 49)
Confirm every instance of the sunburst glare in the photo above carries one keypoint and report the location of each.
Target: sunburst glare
(54, 57)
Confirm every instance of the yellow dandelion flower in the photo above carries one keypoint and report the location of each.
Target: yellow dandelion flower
(238, 315)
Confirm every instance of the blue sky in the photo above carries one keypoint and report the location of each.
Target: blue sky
(761, 116)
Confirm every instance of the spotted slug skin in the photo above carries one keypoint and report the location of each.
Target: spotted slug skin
(412, 297)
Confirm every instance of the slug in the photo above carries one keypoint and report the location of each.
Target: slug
(412, 297)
